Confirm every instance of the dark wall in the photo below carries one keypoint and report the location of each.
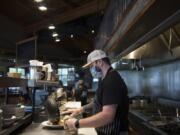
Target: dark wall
(10, 32)
(163, 81)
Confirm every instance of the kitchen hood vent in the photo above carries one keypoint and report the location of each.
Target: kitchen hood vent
(163, 48)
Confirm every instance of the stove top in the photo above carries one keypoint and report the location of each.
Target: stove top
(171, 128)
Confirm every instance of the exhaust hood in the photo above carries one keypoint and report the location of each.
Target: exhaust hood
(163, 48)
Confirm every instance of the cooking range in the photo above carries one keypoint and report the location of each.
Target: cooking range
(171, 128)
(155, 119)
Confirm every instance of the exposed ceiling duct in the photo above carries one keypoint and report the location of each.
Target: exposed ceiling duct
(137, 27)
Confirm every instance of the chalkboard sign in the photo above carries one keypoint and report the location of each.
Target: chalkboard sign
(26, 50)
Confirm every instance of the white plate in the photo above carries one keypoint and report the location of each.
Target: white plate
(48, 125)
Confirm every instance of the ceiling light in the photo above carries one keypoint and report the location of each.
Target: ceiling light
(85, 52)
(38, 1)
(54, 34)
(72, 35)
(92, 31)
(51, 27)
(42, 8)
(57, 40)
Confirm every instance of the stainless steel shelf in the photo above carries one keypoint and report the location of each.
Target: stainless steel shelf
(38, 83)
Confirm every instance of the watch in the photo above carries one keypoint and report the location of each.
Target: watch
(76, 123)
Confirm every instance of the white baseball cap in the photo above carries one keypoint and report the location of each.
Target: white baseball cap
(93, 56)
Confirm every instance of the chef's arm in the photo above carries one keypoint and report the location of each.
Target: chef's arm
(88, 106)
(102, 118)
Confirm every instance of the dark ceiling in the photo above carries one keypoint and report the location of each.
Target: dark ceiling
(75, 47)
(77, 17)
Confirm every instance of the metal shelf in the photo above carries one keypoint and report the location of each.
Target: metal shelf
(38, 83)
(17, 82)
(12, 82)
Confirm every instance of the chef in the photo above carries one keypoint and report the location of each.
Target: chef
(110, 104)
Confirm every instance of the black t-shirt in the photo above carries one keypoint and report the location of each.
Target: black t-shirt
(113, 90)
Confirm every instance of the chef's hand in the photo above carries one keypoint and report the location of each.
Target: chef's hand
(73, 112)
(70, 123)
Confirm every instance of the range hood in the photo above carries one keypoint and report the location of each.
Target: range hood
(162, 48)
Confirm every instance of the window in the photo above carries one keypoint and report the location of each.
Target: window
(66, 74)
(16, 90)
(18, 70)
(95, 83)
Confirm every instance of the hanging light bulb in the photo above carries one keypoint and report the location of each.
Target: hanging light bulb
(42, 7)
(38, 1)
(51, 27)
(72, 36)
(92, 31)
(57, 39)
(54, 34)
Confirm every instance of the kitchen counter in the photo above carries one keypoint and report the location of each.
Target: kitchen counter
(37, 129)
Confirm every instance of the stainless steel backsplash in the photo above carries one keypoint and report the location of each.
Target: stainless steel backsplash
(157, 81)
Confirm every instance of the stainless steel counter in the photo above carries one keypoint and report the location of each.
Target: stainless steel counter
(37, 129)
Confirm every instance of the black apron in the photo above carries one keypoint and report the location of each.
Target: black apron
(105, 130)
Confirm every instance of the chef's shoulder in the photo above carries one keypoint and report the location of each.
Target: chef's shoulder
(113, 75)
